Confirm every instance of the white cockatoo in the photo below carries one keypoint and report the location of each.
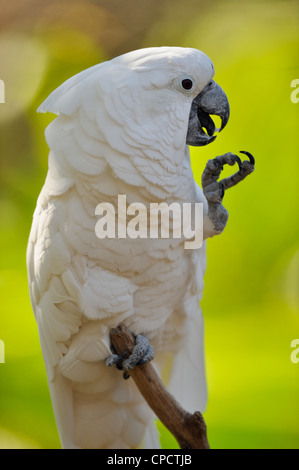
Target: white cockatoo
(123, 128)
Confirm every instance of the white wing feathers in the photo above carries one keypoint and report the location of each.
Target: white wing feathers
(188, 382)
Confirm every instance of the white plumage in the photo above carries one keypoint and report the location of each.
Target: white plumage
(121, 129)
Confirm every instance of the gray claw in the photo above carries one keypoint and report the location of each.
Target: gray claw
(116, 360)
(112, 360)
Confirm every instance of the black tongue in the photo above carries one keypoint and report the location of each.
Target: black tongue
(206, 121)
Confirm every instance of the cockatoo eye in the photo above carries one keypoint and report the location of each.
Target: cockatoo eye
(187, 84)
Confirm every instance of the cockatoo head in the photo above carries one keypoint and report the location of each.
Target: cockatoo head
(181, 74)
(134, 111)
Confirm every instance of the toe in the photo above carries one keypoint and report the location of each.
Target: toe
(149, 356)
(116, 360)
(142, 353)
(112, 360)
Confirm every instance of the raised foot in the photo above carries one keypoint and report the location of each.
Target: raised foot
(142, 352)
(214, 190)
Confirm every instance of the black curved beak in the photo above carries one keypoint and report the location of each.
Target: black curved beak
(212, 100)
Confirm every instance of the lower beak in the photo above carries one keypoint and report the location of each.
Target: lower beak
(212, 100)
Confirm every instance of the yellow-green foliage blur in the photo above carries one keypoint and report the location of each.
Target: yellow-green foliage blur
(250, 301)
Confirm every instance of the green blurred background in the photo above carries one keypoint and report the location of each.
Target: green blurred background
(250, 300)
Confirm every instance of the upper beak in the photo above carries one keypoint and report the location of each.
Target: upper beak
(212, 100)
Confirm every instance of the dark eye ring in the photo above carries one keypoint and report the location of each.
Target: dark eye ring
(187, 84)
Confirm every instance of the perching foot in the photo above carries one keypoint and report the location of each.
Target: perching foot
(142, 352)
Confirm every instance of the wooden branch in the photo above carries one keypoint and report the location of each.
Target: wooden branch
(188, 429)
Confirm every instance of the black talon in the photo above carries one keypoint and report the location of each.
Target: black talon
(251, 158)
(222, 189)
(119, 365)
(126, 375)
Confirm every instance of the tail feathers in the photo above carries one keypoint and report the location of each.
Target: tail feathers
(151, 437)
(91, 416)
(188, 382)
